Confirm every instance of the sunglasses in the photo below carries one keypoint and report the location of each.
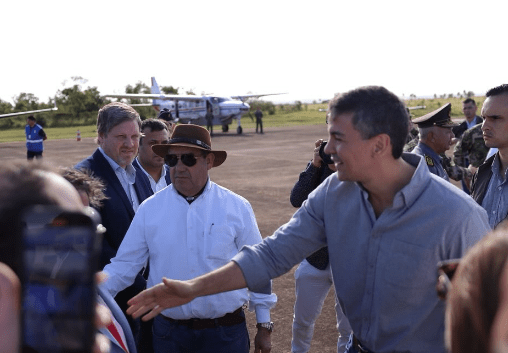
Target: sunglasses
(187, 159)
(446, 271)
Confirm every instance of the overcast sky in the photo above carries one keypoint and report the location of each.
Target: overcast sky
(310, 49)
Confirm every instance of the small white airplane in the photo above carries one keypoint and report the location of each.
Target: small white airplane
(192, 109)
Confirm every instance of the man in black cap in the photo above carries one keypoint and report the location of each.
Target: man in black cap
(189, 228)
(435, 138)
(166, 116)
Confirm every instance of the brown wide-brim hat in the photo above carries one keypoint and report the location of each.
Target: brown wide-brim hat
(440, 117)
(189, 135)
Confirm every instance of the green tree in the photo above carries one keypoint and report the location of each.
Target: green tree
(169, 89)
(5, 107)
(26, 101)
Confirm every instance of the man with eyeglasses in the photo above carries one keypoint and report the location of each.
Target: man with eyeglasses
(118, 133)
(387, 222)
(191, 227)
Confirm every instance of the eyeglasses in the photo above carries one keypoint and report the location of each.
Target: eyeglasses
(446, 271)
(187, 159)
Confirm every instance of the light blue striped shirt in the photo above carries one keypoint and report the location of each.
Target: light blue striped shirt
(384, 269)
(127, 178)
(495, 201)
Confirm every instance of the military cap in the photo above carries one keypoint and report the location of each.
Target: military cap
(165, 114)
(439, 117)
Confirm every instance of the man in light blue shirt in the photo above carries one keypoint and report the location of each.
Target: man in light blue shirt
(387, 222)
(490, 183)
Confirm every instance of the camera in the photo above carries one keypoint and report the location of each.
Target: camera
(60, 251)
(325, 157)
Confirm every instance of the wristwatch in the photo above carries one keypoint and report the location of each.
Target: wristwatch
(266, 325)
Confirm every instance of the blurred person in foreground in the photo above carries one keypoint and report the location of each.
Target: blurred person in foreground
(24, 186)
(387, 222)
(118, 331)
(499, 329)
(474, 295)
(191, 227)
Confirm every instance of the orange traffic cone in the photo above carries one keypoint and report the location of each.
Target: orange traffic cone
(78, 136)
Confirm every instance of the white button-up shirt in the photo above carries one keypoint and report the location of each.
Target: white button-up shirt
(155, 185)
(183, 241)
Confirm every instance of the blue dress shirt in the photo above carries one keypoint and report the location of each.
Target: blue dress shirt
(384, 268)
(495, 201)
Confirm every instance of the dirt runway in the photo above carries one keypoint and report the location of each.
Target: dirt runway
(261, 168)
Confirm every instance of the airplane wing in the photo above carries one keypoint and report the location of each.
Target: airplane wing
(417, 107)
(247, 96)
(27, 112)
(155, 96)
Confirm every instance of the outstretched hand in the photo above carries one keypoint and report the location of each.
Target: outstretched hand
(168, 294)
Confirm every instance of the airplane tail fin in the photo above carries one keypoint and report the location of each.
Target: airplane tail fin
(155, 87)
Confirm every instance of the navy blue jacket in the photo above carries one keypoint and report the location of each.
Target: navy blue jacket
(116, 212)
(141, 175)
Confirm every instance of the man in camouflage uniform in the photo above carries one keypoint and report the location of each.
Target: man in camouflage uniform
(471, 149)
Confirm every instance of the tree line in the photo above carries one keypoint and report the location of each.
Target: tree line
(76, 106)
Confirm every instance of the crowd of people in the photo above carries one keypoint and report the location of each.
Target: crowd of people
(182, 257)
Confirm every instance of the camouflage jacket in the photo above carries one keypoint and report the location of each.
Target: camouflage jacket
(471, 149)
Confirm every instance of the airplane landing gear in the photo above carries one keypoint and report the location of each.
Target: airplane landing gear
(225, 128)
(239, 130)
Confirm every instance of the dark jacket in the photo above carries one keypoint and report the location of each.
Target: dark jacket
(481, 180)
(116, 212)
(310, 179)
(140, 174)
(459, 130)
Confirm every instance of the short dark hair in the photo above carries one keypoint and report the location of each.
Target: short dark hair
(114, 114)
(83, 180)
(469, 100)
(31, 117)
(153, 125)
(501, 89)
(376, 111)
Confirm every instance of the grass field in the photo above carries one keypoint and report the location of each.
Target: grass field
(309, 114)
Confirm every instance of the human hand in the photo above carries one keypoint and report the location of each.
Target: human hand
(168, 294)
(316, 161)
(263, 341)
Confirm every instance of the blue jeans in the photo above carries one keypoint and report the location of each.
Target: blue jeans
(349, 346)
(170, 337)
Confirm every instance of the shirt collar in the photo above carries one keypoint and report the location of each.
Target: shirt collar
(129, 170)
(409, 193)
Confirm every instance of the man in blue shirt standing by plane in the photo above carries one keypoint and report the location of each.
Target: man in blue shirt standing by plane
(34, 137)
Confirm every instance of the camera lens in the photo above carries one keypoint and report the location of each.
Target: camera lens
(325, 157)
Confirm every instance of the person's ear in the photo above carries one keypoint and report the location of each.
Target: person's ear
(210, 158)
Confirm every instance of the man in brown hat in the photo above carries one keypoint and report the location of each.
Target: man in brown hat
(436, 137)
(191, 227)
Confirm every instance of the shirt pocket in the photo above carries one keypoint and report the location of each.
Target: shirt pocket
(410, 266)
(220, 244)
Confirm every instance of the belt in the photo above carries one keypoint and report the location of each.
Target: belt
(230, 319)
(358, 346)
